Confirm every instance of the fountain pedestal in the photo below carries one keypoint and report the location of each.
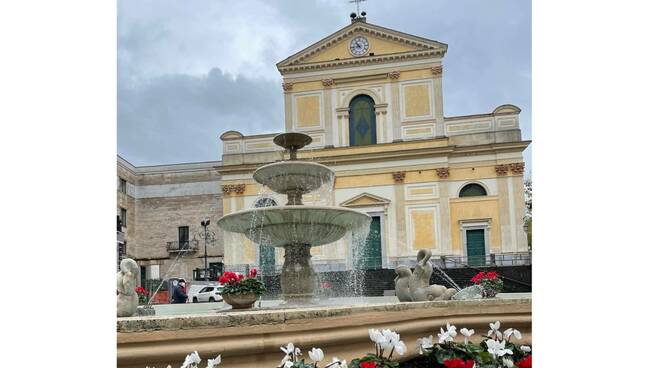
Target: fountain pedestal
(298, 279)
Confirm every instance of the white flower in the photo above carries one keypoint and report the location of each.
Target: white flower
(289, 348)
(297, 352)
(494, 328)
(191, 360)
(425, 343)
(377, 337)
(316, 354)
(448, 335)
(288, 364)
(285, 360)
(497, 348)
(514, 332)
(400, 347)
(525, 348)
(389, 339)
(213, 362)
(507, 362)
(467, 333)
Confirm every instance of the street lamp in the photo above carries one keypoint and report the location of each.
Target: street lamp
(209, 236)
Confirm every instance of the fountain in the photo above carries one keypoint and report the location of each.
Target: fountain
(293, 226)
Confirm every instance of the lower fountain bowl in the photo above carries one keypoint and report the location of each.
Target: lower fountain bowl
(280, 226)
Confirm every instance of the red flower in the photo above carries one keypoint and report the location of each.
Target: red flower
(491, 275)
(252, 273)
(458, 363)
(368, 365)
(229, 277)
(525, 363)
(142, 291)
(478, 277)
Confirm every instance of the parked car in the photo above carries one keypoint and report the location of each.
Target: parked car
(208, 294)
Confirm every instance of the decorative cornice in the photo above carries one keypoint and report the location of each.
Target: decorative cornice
(442, 172)
(287, 86)
(377, 59)
(328, 82)
(235, 188)
(501, 169)
(436, 70)
(517, 168)
(399, 176)
(394, 75)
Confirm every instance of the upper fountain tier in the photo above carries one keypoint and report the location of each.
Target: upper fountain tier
(293, 177)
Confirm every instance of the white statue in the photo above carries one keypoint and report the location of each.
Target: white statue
(416, 286)
(127, 298)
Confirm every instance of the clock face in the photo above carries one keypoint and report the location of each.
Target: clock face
(359, 46)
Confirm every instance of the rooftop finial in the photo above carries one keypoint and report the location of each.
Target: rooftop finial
(358, 16)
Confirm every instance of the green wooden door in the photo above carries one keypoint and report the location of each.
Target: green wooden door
(266, 260)
(370, 256)
(362, 121)
(476, 247)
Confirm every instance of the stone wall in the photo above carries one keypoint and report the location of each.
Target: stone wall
(159, 199)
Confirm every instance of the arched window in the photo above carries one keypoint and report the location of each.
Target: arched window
(361, 121)
(472, 190)
(265, 202)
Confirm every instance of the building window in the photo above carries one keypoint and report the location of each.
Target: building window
(123, 216)
(472, 190)
(183, 237)
(362, 121)
(122, 185)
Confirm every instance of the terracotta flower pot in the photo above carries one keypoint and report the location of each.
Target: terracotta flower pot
(240, 301)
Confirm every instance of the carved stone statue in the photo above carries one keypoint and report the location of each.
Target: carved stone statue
(415, 286)
(127, 298)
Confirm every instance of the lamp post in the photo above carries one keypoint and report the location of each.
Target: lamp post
(207, 236)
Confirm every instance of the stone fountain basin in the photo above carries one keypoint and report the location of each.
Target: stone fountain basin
(287, 176)
(279, 226)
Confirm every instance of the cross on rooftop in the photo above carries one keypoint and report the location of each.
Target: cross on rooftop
(357, 4)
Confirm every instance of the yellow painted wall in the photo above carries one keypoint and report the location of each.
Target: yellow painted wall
(423, 227)
(417, 100)
(415, 74)
(475, 208)
(376, 45)
(308, 111)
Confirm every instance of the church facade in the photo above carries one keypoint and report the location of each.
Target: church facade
(371, 98)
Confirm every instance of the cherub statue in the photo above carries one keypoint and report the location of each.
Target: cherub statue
(415, 286)
(127, 298)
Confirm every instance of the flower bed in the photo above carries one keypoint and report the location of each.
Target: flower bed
(497, 349)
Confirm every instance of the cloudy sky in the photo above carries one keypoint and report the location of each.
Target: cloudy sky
(190, 70)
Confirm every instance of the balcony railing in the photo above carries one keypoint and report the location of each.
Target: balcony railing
(499, 259)
(182, 246)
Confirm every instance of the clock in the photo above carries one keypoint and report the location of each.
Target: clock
(358, 46)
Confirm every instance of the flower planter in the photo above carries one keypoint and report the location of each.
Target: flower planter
(489, 293)
(240, 301)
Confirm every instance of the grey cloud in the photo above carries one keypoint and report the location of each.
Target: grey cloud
(178, 118)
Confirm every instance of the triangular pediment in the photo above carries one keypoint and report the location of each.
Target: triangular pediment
(365, 200)
(384, 44)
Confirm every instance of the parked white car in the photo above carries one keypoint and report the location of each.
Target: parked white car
(212, 293)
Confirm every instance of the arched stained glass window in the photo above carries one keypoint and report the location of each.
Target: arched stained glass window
(472, 190)
(362, 121)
